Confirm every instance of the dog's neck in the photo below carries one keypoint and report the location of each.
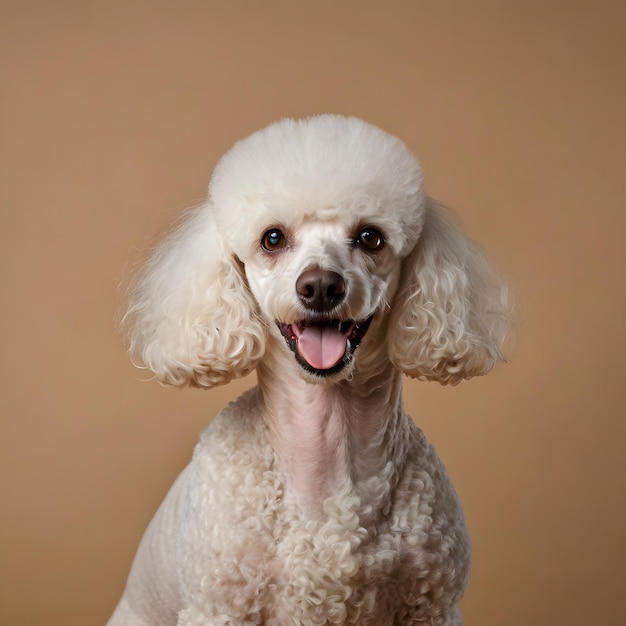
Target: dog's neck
(333, 437)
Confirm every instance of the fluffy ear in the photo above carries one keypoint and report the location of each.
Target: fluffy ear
(450, 316)
(191, 318)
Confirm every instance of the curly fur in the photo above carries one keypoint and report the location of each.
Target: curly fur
(313, 499)
(450, 317)
(192, 318)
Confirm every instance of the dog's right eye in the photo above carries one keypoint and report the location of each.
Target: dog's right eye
(273, 240)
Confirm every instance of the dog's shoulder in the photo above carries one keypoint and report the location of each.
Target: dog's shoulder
(234, 456)
(425, 480)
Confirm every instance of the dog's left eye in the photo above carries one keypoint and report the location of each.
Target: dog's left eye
(371, 239)
(273, 240)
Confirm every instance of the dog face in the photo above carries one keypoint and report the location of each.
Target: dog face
(321, 285)
(317, 234)
(321, 244)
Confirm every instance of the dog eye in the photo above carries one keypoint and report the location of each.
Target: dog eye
(273, 240)
(371, 239)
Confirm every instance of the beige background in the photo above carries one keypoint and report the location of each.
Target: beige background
(113, 115)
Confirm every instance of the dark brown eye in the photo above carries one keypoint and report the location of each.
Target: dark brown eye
(273, 240)
(371, 239)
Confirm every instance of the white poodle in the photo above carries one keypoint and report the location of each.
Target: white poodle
(313, 499)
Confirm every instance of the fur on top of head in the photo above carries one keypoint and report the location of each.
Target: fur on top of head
(320, 167)
(193, 318)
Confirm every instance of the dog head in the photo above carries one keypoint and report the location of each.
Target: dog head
(317, 234)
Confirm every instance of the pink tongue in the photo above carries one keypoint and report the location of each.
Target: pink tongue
(322, 346)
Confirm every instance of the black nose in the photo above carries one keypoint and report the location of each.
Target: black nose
(320, 290)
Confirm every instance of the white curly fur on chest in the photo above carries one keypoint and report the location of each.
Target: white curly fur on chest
(249, 556)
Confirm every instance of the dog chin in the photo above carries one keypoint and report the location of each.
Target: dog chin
(323, 348)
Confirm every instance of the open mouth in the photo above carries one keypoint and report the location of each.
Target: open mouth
(321, 346)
